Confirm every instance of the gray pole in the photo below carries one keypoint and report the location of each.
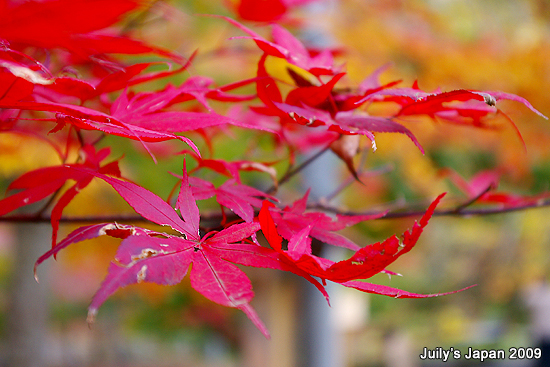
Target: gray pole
(28, 307)
(321, 343)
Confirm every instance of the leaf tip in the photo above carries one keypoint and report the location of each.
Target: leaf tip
(90, 319)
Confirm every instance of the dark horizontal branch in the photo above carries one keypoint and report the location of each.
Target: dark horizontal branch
(458, 211)
(120, 218)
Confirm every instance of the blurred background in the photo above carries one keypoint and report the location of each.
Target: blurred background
(488, 45)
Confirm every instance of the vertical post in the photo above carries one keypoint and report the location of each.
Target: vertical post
(28, 308)
(320, 339)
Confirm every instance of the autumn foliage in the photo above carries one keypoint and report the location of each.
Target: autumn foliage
(67, 79)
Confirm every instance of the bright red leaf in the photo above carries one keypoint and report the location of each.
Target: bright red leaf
(70, 24)
(365, 263)
(41, 183)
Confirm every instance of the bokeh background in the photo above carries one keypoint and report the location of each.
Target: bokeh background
(487, 45)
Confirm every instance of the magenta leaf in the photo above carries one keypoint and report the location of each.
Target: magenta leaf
(288, 47)
(89, 232)
(368, 123)
(90, 119)
(512, 97)
(292, 220)
(231, 169)
(300, 244)
(147, 256)
(40, 183)
(146, 111)
(149, 205)
(224, 283)
(30, 195)
(393, 292)
(234, 233)
(187, 205)
(239, 198)
(145, 259)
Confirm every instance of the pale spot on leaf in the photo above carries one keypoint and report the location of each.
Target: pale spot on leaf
(142, 273)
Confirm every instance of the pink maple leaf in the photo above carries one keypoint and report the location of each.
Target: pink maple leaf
(239, 198)
(148, 256)
(293, 111)
(232, 169)
(293, 219)
(481, 188)
(118, 80)
(288, 47)
(459, 106)
(90, 119)
(147, 110)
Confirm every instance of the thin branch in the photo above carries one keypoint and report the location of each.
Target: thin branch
(119, 218)
(362, 174)
(451, 212)
(216, 217)
(463, 206)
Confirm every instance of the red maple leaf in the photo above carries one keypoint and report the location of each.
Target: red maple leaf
(265, 10)
(365, 262)
(232, 169)
(71, 25)
(40, 183)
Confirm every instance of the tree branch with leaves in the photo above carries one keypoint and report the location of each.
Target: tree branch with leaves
(310, 110)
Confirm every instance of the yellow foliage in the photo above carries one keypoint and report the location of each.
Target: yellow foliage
(22, 153)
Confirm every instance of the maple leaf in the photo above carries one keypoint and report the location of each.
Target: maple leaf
(70, 24)
(459, 106)
(12, 87)
(364, 263)
(147, 256)
(347, 122)
(239, 198)
(17, 80)
(146, 110)
(293, 219)
(288, 47)
(40, 183)
(266, 10)
(481, 188)
(341, 122)
(261, 10)
(90, 119)
(199, 88)
(118, 80)
(232, 169)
